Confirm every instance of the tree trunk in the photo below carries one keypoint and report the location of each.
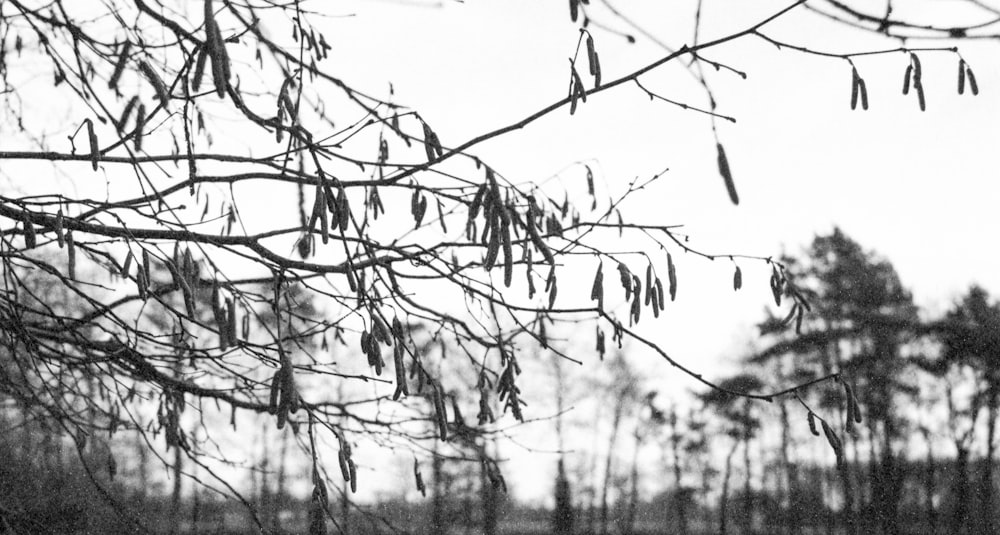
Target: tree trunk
(768, 489)
(792, 522)
(929, 485)
(633, 497)
(592, 485)
(706, 487)
(467, 492)
(490, 498)
(961, 492)
(562, 517)
(279, 492)
(609, 464)
(680, 497)
(829, 496)
(747, 523)
(845, 483)
(437, 494)
(986, 477)
(592, 511)
(265, 484)
(873, 478)
(254, 497)
(345, 508)
(175, 496)
(195, 508)
(891, 484)
(724, 498)
(844, 473)
(143, 455)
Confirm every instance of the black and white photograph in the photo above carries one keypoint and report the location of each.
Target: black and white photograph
(500, 267)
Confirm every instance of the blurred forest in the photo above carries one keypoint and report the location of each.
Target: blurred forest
(904, 441)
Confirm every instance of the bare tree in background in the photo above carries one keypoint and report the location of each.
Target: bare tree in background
(193, 307)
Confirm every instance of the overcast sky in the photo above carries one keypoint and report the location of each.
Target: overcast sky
(920, 188)
(917, 187)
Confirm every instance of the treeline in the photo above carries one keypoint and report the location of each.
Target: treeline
(896, 435)
(894, 432)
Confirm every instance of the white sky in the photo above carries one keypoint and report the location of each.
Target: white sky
(919, 188)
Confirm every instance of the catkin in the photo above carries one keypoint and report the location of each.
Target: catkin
(834, 441)
(428, 143)
(71, 256)
(419, 479)
(324, 219)
(596, 70)
(217, 51)
(854, 88)
(30, 241)
(552, 293)
(95, 150)
(853, 409)
(649, 285)
(973, 85)
(493, 249)
(727, 175)
(440, 413)
(123, 119)
(508, 256)
(140, 121)
(672, 277)
(343, 210)
(400, 368)
(275, 392)
(961, 77)
(626, 279)
(345, 470)
(420, 211)
(864, 93)
(145, 264)
(162, 93)
(659, 293)
(380, 330)
(597, 289)
(231, 316)
(354, 475)
(591, 55)
(141, 284)
(127, 265)
(199, 67)
(119, 66)
(60, 237)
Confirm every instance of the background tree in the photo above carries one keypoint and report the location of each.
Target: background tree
(741, 425)
(865, 324)
(862, 317)
(563, 515)
(973, 338)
